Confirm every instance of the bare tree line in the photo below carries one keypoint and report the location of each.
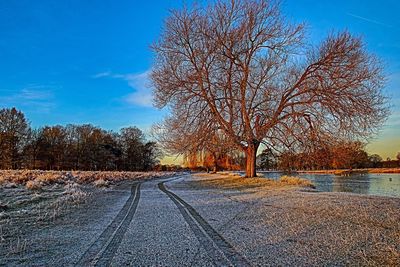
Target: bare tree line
(240, 70)
(72, 147)
(343, 155)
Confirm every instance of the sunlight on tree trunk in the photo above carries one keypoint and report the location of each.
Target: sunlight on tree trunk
(251, 155)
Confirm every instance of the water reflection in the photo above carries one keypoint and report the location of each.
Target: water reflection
(370, 184)
(354, 184)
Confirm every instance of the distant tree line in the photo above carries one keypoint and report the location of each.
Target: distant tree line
(72, 147)
(342, 155)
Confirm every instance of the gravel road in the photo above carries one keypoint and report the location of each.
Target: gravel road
(183, 221)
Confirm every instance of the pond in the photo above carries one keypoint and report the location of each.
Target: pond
(369, 184)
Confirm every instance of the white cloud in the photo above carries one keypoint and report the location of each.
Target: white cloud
(139, 82)
(143, 95)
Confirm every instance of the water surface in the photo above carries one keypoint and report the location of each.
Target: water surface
(369, 184)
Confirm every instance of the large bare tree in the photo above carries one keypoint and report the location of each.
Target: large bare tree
(242, 67)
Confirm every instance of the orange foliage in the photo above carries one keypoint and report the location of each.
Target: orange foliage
(209, 160)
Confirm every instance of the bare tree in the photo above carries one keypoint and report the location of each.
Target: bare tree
(14, 129)
(243, 67)
(52, 147)
(375, 160)
(192, 137)
(266, 160)
(31, 149)
(132, 140)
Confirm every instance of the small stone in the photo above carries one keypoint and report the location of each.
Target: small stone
(3, 207)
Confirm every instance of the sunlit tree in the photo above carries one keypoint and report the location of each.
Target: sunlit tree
(193, 139)
(241, 67)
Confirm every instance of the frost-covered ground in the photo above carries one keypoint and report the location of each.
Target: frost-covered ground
(32, 199)
(269, 223)
(275, 225)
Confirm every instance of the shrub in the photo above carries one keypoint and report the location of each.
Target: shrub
(292, 180)
(101, 183)
(33, 185)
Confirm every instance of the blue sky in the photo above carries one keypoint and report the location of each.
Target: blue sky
(87, 61)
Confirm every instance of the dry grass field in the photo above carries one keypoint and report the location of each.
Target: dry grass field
(34, 179)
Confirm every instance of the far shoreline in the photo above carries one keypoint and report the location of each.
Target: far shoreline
(352, 171)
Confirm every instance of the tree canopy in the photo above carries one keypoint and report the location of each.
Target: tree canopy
(242, 67)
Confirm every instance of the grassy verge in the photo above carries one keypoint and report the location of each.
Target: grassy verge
(35, 179)
(230, 181)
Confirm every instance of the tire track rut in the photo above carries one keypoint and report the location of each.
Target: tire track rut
(219, 250)
(101, 252)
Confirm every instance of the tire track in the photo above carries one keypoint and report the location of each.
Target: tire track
(220, 251)
(101, 252)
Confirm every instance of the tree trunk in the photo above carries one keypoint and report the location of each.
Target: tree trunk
(215, 163)
(251, 153)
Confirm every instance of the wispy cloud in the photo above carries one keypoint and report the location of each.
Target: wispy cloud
(369, 20)
(143, 96)
(36, 97)
(102, 74)
(32, 94)
(139, 82)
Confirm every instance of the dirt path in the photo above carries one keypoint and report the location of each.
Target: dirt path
(156, 216)
(219, 250)
(101, 252)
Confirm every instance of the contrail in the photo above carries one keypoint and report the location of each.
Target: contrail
(369, 20)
